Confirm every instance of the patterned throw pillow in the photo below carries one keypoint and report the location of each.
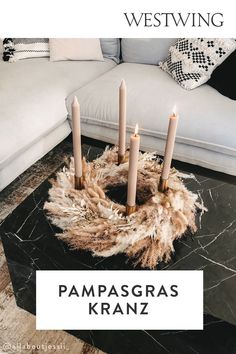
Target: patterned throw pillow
(22, 48)
(192, 60)
(8, 49)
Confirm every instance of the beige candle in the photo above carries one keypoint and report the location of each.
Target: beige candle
(133, 168)
(170, 142)
(122, 121)
(76, 133)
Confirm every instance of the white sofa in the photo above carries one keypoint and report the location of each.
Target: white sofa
(33, 113)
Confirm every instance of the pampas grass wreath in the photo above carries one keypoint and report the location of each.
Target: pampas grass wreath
(92, 221)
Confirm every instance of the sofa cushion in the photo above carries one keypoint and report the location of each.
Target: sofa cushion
(145, 50)
(207, 119)
(75, 49)
(32, 96)
(1, 49)
(223, 78)
(111, 48)
(23, 48)
(191, 61)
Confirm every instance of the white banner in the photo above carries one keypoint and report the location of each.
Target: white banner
(123, 18)
(119, 300)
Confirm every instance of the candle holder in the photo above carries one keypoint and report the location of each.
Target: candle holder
(79, 182)
(93, 219)
(121, 159)
(130, 209)
(163, 185)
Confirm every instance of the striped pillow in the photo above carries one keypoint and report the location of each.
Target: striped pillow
(23, 48)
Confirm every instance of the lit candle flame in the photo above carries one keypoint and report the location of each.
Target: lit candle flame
(136, 129)
(174, 110)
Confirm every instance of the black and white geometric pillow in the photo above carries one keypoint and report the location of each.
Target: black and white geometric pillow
(192, 60)
(8, 49)
(22, 48)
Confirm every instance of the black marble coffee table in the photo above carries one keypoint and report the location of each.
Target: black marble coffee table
(29, 244)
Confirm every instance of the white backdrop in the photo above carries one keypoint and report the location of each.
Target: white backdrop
(104, 18)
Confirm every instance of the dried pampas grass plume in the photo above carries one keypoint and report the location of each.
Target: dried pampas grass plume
(90, 220)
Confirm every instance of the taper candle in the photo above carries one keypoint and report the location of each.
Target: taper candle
(133, 168)
(76, 133)
(122, 121)
(170, 142)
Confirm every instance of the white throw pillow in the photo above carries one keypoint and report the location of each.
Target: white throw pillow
(75, 49)
(191, 61)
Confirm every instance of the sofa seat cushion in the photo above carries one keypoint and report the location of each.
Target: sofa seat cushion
(207, 119)
(32, 99)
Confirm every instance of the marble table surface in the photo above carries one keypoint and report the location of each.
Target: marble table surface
(30, 244)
